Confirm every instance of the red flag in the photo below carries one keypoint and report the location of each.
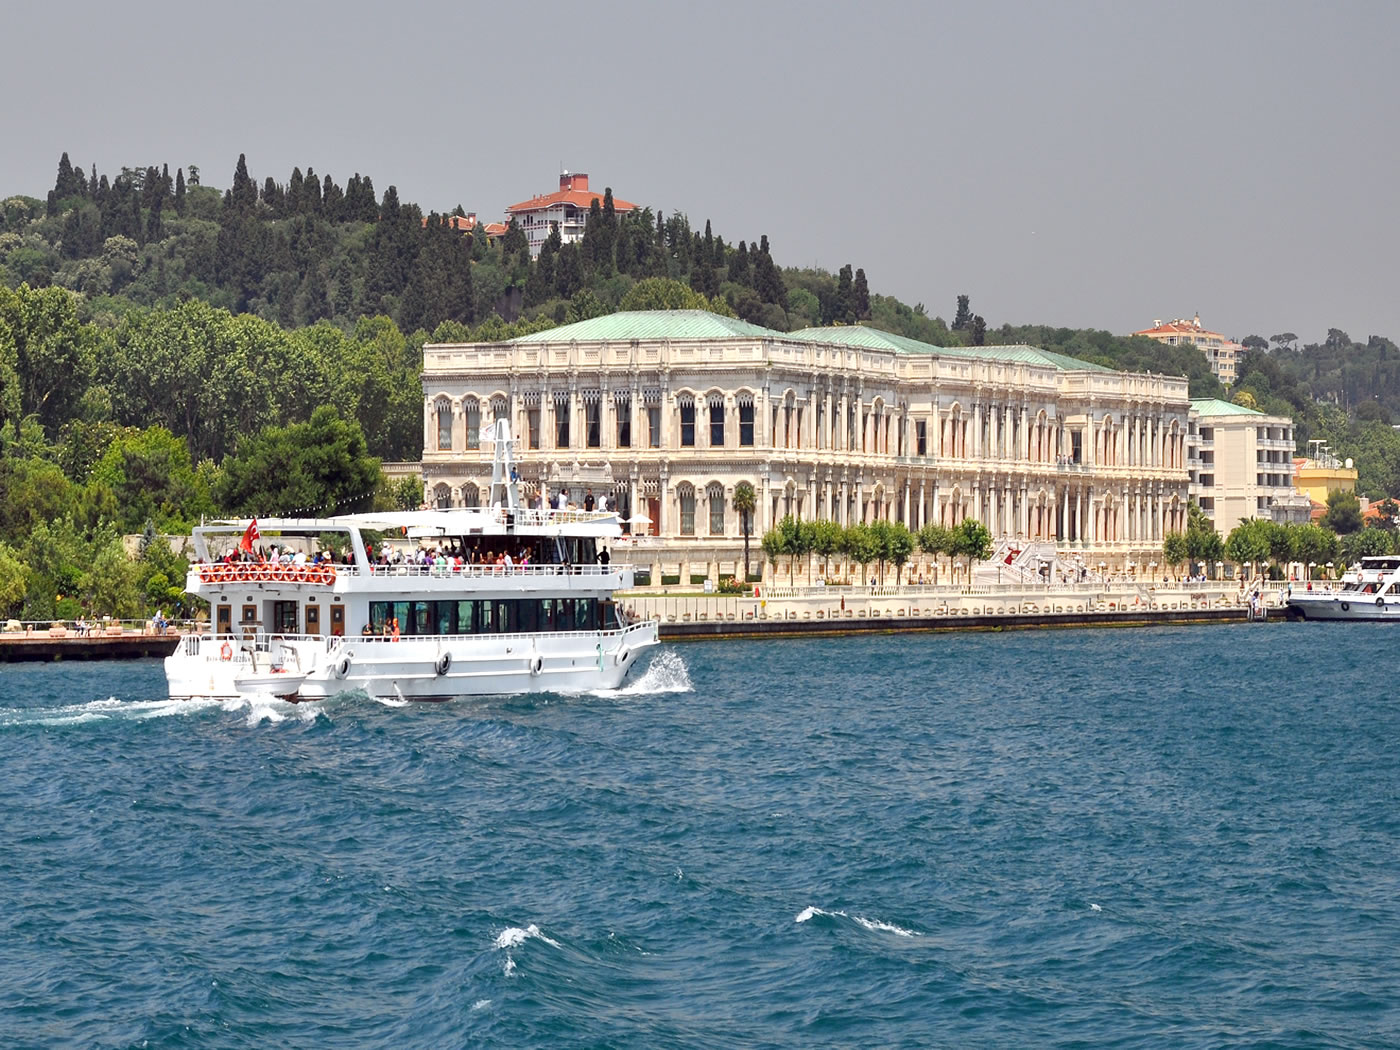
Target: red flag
(250, 534)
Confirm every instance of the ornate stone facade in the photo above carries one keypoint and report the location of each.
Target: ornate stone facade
(667, 412)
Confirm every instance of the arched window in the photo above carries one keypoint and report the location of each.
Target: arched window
(685, 493)
(470, 496)
(714, 494)
(442, 496)
(444, 424)
(472, 410)
(716, 405)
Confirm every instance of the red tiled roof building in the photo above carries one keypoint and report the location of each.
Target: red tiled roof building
(568, 206)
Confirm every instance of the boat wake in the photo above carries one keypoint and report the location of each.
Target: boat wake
(108, 710)
(665, 674)
(874, 925)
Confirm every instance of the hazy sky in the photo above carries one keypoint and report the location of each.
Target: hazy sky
(1070, 163)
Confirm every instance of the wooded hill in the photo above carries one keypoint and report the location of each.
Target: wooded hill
(308, 249)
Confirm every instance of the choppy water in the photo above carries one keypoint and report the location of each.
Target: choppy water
(1175, 837)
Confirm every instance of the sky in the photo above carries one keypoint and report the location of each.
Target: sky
(1097, 165)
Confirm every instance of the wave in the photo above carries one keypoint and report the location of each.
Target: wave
(514, 937)
(874, 925)
(666, 673)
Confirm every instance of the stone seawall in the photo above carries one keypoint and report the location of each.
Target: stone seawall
(772, 628)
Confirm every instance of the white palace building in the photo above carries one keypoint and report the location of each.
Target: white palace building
(665, 412)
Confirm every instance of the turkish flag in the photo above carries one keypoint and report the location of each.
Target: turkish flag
(250, 534)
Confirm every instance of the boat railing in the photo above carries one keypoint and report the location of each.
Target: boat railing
(485, 571)
(522, 636)
(244, 572)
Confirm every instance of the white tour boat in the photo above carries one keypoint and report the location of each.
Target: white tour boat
(1369, 591)
(514, 600)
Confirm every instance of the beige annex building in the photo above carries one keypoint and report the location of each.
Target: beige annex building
(665, 412)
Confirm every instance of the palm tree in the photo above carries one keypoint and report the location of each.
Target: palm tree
(745, 500)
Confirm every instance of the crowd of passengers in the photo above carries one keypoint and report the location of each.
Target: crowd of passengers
(447, 557)
(454, 558)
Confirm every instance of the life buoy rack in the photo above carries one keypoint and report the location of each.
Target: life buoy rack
(226, 652)
(444, 664)
(536, 664)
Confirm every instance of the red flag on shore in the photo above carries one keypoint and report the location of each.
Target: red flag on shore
(250, 534)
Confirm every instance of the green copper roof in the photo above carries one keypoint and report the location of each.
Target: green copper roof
(1213, 406)
(874, 339)
(651, 324)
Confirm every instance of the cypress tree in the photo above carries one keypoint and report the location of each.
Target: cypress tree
(964, 315)
(62, 186)
(179, 191)
(311, 192)
(244, 193)
(843, 309)
(92, 181)
(368, 210)
(860, 294)
(568, 272)
(332, 200)
(739, 271)
(294, 187)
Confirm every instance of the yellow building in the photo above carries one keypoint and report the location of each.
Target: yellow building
(1321, 474)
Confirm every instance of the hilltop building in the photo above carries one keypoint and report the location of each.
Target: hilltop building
(568, 206)
(1223, 354)
(665, 412)
(1241, 464)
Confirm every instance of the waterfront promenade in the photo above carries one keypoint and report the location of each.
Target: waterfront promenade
(781, 609)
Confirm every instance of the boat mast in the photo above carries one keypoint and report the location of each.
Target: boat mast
(504, 491)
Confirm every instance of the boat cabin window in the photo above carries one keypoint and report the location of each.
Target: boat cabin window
(491, 616)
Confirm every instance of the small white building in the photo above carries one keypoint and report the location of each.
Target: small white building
(568, 206)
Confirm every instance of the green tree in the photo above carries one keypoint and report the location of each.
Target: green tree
(826, 541)
(745, 502)
(936, 540)
(901, 547)
(1343, 512)
(973, 541)
(14, 581)
(1249, 542)
(1366, 543)
(112, 585)
(319, 467)
(963, 318)
(1174, 549)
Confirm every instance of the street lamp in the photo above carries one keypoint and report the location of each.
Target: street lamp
(1312, 568)
(1329, 571)
(1219, 570)
(1248, 573)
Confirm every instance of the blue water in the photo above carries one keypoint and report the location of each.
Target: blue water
(1172, 837)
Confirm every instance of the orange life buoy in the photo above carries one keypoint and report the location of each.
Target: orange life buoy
(301, 576)
(206, 574)
(226, 652)
(328, 572)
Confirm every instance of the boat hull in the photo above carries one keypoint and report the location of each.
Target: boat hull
(434, 668)
(1337, 607)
